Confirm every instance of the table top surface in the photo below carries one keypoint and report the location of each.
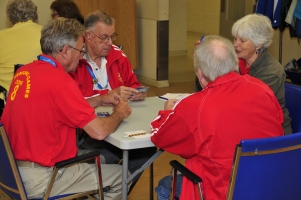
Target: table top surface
(143, 112)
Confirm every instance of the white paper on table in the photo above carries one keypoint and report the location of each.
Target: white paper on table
(147, 135)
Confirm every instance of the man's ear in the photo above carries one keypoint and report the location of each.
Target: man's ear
(202, 80)
(198, 73)
(64, 51)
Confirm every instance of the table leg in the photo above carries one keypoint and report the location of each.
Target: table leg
(143, 167)
(151, 181)
(125, 165)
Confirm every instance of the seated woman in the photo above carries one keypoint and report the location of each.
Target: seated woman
(253, 34)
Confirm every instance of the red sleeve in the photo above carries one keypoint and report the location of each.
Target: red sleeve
(127, 74)
(73, 109)
(171, 133)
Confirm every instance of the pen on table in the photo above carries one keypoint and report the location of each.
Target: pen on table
(202, 38)
(135, 134)
(163, 98)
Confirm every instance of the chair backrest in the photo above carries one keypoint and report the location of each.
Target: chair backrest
(10, 180)
(16, 67)
(293, 104)
(267, 169)
(4, 92)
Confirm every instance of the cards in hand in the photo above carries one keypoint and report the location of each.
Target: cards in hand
(103, 114)
(142, 89)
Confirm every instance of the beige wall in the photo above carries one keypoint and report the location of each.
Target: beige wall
(203, 17)
(149, 13)
(177, 27)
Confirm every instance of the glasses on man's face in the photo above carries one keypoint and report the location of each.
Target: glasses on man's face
(106, 38)
(81, 51)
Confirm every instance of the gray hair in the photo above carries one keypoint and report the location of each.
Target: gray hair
(255, 27)
(98, 16)
(58, 33)
(215, 57)
(21, 11)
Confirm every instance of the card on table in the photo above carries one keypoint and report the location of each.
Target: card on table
(103, 114)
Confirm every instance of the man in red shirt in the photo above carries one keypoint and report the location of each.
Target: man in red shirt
(205, 127)
(44, 108)
(105, 67)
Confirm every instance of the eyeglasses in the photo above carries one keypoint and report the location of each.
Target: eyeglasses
(81, 51)
(105, 39)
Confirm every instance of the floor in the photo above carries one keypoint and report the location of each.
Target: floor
(181, 79)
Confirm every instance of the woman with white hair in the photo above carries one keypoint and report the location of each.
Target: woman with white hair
(253, 34)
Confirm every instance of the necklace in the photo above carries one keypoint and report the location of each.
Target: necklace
(95, 80)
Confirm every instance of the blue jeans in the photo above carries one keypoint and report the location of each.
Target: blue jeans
(164, 187)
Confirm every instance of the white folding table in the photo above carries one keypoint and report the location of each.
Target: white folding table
(143, 112)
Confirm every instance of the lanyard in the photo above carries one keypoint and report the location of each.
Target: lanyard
(95, 80)
(46, 60)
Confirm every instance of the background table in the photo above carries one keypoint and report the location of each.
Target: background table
(143, 112)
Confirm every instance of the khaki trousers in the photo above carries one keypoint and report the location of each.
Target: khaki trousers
(77, 178)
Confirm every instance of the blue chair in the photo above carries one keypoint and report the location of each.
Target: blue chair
(11, 182)
(293, 104)
(268, 168)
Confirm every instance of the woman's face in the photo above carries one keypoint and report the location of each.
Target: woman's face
(245, 49)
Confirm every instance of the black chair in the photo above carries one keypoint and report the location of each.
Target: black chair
(2, 102)
(268, 168)
(16, 67)
(11, 182)
(293, 104)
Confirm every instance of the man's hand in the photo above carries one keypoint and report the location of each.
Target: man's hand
(100, 128)
(122, 109)
(110, 99)
(169, 104)
(126, 93)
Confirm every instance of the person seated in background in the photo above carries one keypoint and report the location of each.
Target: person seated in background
(21, 42)
(43, 110)
(253, 34)
(205, 127)
(67, 9)
(105, 68)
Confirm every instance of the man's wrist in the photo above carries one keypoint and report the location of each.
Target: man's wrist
(117, 116)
